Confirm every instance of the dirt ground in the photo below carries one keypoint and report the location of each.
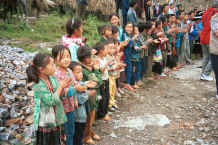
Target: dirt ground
(178, 110)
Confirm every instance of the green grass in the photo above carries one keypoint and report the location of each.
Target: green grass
(49, 29)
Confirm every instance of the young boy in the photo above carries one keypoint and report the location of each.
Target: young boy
(82, 97)
(103, 61)
(91, 72)
(106, 32)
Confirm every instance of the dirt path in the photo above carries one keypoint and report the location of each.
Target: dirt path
(179, 110)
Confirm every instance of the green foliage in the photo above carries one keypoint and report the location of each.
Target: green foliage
(47, 29)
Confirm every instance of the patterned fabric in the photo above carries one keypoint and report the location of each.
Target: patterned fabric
(43, 98)
(73, 43)
(112, 66)
(69, 103)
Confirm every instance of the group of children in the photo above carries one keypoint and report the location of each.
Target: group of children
(77, 84)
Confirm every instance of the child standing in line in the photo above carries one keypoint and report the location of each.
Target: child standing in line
(128, 35)
(103, 61)
(61, 55)
(47, 99)
(106, 32)
(82, 97)
(74, 37)
(91, 72)
(114, 75)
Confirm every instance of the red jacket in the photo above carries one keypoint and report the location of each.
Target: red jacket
(205, 34)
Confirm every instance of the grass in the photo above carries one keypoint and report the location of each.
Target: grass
(48, 29)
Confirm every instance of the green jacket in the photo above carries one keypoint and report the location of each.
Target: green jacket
(90, 74)
(44, 98)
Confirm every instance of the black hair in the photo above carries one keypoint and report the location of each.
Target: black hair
(59, 49)
(40, 60)
(111, 16)
(114, 29)
(163, 7)
(191, 12)
(141, 27)
(106, 27)
(153, 19)
(72, 25)
(132, 3)
(100, 30)
(98, 46)
(171, 15)
(180, 12)
(148, 25)
(84, 52)
(157, 23)
(73, 65)
(163, 19)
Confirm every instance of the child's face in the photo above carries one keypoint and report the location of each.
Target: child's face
(78, 74)
(49, 69)
(108, 48)
(136, 30)
(116, 35)
(182, 16)
(186, 17)
(172, 19)
(149, 31)
(87, 60)
(115, 20)
(78, 32)
(63, 59)
(129, 28)
(160, 26)
(108, 33)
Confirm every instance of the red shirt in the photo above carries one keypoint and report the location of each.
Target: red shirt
(205, 34)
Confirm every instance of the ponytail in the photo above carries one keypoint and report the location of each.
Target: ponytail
(40, 60)
(32, 74)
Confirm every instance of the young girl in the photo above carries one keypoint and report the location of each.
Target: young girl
(82, 97)
(115, 21)
(128, 35)
(61, 55)
(49, 112)
(91, 72)
(74, 37)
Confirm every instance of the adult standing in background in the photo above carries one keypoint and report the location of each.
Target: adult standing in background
(125, 8)
(214, 43)
(205, 40)
(81, 8)
(148, 11)
(156, 8)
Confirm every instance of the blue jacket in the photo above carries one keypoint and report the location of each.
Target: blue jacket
(125, 6)
(131, 16)
(81, 111)
(128, 50)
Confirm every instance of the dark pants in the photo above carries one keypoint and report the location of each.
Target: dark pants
(103, 103)
(214, 62)
(124, 19)
(144, 61)
(69, 127)
(171, 61)
(79, 131)
(157, 68)
(48, 136)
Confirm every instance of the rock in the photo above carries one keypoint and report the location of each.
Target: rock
(29, 120)
(12, 121)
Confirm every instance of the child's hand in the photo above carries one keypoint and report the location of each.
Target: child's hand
(150, 40)
(216, 33)
(65, 83)
(144, 47)
(92, 93)
(90, 84)
(134, 37)
(156, 41)
(110, 61)
(93, 52)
